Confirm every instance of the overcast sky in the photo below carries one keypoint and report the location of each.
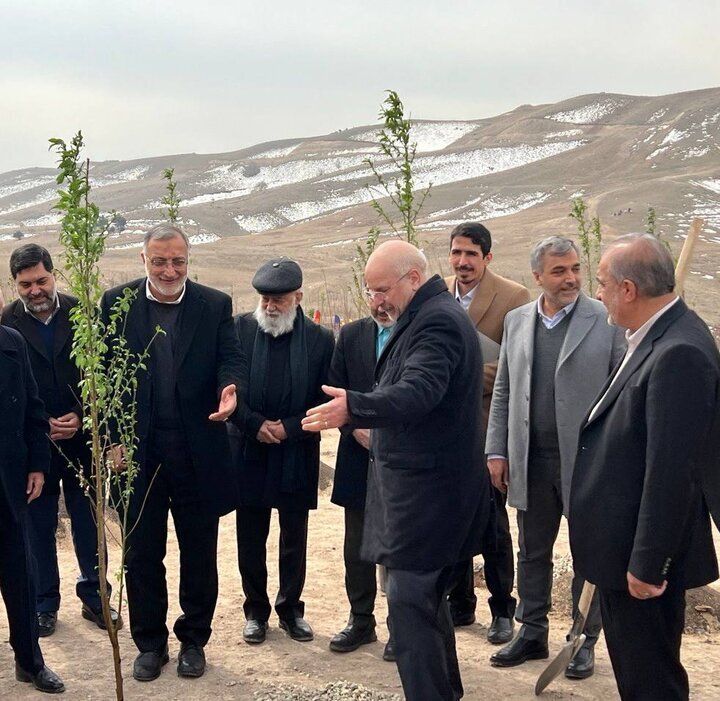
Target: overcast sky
(154, 77)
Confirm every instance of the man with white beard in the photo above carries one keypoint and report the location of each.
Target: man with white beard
(278, 463)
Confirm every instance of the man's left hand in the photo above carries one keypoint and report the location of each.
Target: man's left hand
(642, 590)
(35, 483)
(228, 404)
(64, 427)
(332, 414)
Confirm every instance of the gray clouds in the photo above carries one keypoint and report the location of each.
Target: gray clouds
(146, 79)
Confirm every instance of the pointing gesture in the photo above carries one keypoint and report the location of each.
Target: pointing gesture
(332, 414)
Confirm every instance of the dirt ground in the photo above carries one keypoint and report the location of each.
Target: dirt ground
(80, 652)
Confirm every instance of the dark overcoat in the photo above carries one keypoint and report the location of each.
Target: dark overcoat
(647, 463)
(24, 445)
(428, 499)
(353, 367)
(56, 375)
(207, 359)
(260, 486)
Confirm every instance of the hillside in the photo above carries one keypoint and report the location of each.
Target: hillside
(307, 197)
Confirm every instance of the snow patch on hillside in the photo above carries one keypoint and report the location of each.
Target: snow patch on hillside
(258, 223)
(276, 152)
(429, 136)
(25, 184)
(590, 114)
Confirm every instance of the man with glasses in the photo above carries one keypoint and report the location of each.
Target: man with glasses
(428, 498)
(359, 346)
(188, 391)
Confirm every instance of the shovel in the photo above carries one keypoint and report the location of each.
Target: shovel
(575, 639)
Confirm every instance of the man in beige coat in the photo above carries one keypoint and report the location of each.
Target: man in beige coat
(487, 298)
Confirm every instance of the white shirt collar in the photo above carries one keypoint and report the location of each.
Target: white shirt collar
(153, 298)
(556, 318)
(465, 299)
(634, 338)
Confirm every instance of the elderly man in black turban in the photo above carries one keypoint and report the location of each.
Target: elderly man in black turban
(277, 462)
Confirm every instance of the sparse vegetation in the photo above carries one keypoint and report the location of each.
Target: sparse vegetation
(394, 179)
(107, 384)
(171, 199)
(590, 238)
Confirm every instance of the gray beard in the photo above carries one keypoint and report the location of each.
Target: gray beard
(275, 325)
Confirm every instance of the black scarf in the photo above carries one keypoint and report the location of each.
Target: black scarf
(291, 455)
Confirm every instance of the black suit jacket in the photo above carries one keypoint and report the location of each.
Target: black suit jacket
(260, 486)
(647, 460)
(208, 357)
(353, 367)
(24, 446)
(56, 375)
(428, 498)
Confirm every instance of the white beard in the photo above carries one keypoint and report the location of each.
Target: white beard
(275, 325)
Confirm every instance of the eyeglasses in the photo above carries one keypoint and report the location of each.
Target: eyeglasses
(380, 295)
(177, 263)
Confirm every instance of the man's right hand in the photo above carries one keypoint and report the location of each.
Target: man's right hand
(115, 459)
(362, 436)
(499, 473)
(267, 431)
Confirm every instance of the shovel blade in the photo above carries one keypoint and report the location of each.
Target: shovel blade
(559, 664)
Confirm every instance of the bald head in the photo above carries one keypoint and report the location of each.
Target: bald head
(399, 256)
(393, 274)
(643, 260)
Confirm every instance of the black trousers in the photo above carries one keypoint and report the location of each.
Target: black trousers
(422, 630)
(538, 528)
(253, 527)
(18, 588)
(360, 581)
(499, 569)
(174, 490)
(643, 639)
(44, 521)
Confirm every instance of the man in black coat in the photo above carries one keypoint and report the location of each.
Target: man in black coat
(359, 345)
(639, 523)
(278, 463)
(24, 461)
(187, 392)
(428, 498)
(41, 315)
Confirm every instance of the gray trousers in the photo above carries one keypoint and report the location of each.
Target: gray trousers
(538, 528)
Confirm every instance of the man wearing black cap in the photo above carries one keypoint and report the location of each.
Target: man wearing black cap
(278, 463)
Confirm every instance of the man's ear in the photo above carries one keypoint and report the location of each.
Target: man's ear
(298, 296)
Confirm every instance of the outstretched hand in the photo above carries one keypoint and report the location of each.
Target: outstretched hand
(332, 414)
(228, 404)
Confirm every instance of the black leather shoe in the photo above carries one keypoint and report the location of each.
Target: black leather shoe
(96, 617)
(191, 661)
(46, 623)
(297, 628)
(45, 680)
(148, 665)
(389, 651)
(518, 651)
(254, 631)
(582, 665)
(462, 619)
(352, 637)
(500, 630)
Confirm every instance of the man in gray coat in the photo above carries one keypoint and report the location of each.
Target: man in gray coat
(555, 356)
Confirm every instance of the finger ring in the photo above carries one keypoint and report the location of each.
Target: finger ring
(646, 595)
(326, 423)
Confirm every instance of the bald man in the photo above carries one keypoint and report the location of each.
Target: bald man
(646, 470)
(428, 498)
